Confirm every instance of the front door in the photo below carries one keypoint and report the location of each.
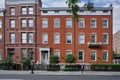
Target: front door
(44, 57)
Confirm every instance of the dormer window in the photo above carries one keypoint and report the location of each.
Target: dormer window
(56, 11)
(45, 11)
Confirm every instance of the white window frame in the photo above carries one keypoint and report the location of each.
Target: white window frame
(12, 23)
(30, 22)
(82, 21)
(83, 55)
(91, 37)
(58, 54)
(56, 21)
(24, 10)
(106, 57)
(104, 23)
(95, 55)
(30, 37)
(81, 38)
(68, 53)
(12, 10)
(57, 40)
(30, 10)
(0, 54)
(12, 37)
(24, 37)
(95, 24)
(0, 23)
(44, 41)
(23, 23)
(70, 34)
(107, 38)
(44, 23)
(68, 22)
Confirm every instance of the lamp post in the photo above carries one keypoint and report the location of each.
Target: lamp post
(82, 67)
(32, 61)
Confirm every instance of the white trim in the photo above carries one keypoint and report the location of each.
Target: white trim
(56, 33)
(79, 36)
(83, 22)
(107, 37)
(107, 22)
(95, 55)
(107, 55)
(95, 22)
(69, 51)
(58, 51)
(95, 36)
(82, 56)
(66, 37)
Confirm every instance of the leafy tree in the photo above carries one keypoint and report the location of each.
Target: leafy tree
(54, 59)
(73, 4)
(25, 62)
(70, 58)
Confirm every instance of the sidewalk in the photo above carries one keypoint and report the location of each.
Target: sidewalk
(37, 72)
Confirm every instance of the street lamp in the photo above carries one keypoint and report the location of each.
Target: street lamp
(32, 61)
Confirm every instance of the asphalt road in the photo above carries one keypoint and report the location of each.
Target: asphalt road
(39, 77)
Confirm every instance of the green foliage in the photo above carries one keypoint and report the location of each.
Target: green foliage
(70, 58)
(71, 69)
(54, 59)
(26, 63)
(7, 61)
(53, 68)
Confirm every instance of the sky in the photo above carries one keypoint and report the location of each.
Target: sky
(97, 3)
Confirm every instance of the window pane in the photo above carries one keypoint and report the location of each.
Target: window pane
(24, 23)
(81, 23)
(0, 38)
(30, 37)
(57, 53)
(105, 23)
(93, 38)
(0, 23)
(93, 23)
(105, 55)
(44, 23)
(44, 38)
(69, 38)
(105, 38)
(81, 55)
(56, 23)
(24, 10)
(68, 23)
(57, 38)
(12, 37)
(24, 53)
(12, 23)
(68, 52)
(30, 10)
(30, 22)
(93, 55)
(24, 40)
(0, 54)
(81, 38)
(12, 11)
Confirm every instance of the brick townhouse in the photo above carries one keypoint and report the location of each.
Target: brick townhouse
(31, 29)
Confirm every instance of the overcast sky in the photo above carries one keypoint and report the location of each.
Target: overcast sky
(97, 3)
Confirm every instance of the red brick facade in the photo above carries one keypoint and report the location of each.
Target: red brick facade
(38, 48)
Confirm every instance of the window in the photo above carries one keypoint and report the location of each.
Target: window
(30, 53)
(30, 22)
(105, 23)
(93, 38)
(12, 11)
(68, 23)
(0, 54)
(44, 38)
(93, 55)
(56, 23)
(68, 38)
(0, 38)
(105, 55)
(24, 10)
(81, 38)
(30, 10)
(12, 37)
(24, 55)
(24, 23)
(44, 23)
(0, 23)
(24, 39)
(105, 38)
(81, 23)
(30, 37)
(12, 23)
(56, 38)
(68, 52)
(93, 23)
(81, 55)
(57, 52)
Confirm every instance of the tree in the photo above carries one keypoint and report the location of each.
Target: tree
(70, 58)
(54, 59)
(26, 63)
(73, 4)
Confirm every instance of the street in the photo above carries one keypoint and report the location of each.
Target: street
(42, 77)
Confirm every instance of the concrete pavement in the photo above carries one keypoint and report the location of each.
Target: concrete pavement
(39, 72)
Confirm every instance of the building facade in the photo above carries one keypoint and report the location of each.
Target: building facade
(116, 42)
(37, 32)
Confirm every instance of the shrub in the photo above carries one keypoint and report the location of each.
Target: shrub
(71, 69)
(54, 59)
(70, 58)
(26, 63)
(53, 67)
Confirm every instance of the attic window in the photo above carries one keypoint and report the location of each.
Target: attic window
(45, 11)
(56, 11)
(104, 11)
